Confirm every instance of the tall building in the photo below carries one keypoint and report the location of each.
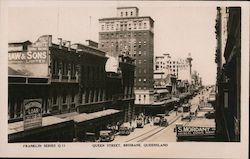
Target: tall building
(228, 84)
(180, 68)
(131, 34)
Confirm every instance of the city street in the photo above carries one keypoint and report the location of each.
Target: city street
(155, 133)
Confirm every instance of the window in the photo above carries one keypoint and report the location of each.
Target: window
(64, 98)
(126, 13)
(139, 53)
(139, 80)
(121, 14)
(54, 99)
(102, 27)
(139, 61)
(145, 25)
(73, 70)
(144, 42)
(73, 98)
(131, 13)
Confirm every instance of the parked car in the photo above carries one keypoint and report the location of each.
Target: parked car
(158, 119)
(210, 115)
(187, 117)
(140, 122)
(164, 122)
(106, 135)
(90, 137)
(124, 130)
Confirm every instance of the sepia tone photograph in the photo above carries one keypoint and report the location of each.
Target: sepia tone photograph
(127, 74)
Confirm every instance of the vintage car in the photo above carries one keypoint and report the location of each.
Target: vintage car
(210, 115)
(124, 130)
(90, 137)
(187, 117)
(164, 121)
(140, 122)
(159, 119)
(106, 136)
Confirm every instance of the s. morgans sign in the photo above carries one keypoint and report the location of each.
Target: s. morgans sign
(34, 61)
(194, 131)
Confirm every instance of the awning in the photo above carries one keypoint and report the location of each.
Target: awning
(84, 116)
(19, 126)
(162, 91)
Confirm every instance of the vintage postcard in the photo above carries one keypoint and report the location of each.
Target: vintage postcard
(133, 79)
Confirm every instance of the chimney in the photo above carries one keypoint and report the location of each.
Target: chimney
(69, 46)
(60, 43)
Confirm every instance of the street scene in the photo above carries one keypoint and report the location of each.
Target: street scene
(125, 73)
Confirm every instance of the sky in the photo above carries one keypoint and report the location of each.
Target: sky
(178, 29)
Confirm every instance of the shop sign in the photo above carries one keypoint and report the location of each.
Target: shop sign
(37, 56)
(32, 113)
(194, 131)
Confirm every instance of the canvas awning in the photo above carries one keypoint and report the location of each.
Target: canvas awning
(84, 116)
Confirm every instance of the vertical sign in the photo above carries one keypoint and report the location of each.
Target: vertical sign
(32, 113)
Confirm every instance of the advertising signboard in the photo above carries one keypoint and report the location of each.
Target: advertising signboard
(194, 131)
(32, 113)
(34, 60)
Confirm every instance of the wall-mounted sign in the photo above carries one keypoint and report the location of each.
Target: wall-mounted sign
(194, 131)
(34, 61)
(30, 57)
(32, 113)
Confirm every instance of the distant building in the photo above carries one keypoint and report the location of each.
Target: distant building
(180, 68)
(72, 83)
(133, 35)
(228, 84)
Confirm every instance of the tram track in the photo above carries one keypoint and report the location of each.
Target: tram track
(151, 132)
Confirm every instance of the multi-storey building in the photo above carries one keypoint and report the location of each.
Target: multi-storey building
(71, 83)
(180, 68)
(228, 84)
(131, 34)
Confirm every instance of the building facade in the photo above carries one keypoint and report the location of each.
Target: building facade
(228, 59)
(180, 68)
(131, 34)
(70, 80)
